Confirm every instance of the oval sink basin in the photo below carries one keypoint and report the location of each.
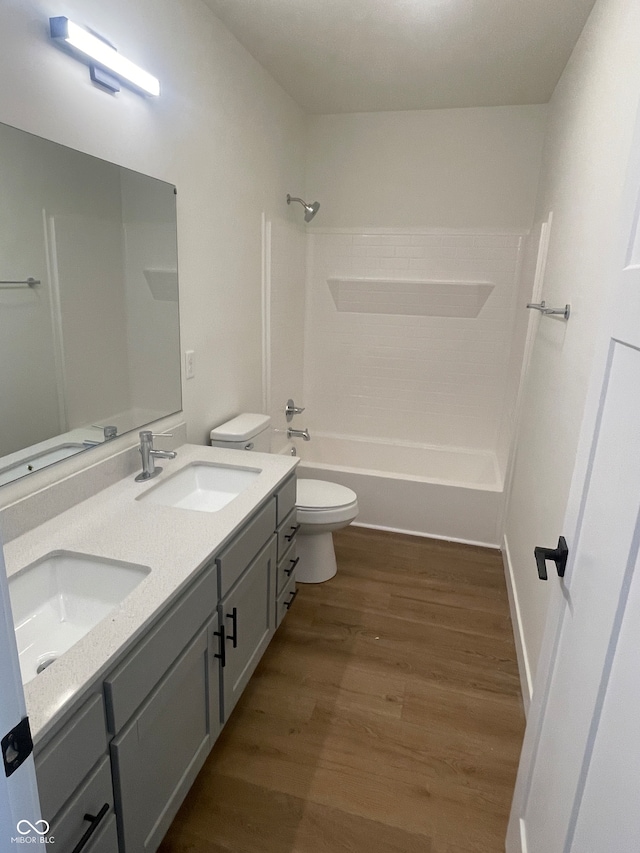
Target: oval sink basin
(201, 486)
(60, 598)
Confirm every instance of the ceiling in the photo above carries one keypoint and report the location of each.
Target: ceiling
(335, 56)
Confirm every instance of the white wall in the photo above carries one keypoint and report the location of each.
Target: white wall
(223, 131)
(585, 157)
(458, 168)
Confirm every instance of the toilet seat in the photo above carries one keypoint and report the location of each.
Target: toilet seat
(320, 502)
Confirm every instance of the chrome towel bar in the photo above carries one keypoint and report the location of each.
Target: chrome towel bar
(27, 282)
(542, 308)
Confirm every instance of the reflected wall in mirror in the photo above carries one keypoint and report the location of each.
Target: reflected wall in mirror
(95, 341)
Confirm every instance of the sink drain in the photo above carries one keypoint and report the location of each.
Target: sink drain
(45, 663)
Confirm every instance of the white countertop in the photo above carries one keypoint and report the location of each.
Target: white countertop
(174, 543)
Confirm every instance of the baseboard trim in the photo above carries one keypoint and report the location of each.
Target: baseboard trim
(427, 535)
(526, 681)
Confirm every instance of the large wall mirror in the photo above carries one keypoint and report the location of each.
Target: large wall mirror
(89, 326)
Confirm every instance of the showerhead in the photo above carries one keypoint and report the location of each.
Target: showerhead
(310, 210)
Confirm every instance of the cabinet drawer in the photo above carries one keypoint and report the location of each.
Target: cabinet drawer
(286, 499)
(64, 763)
(235, 559)
(286, 568)
(159, 753)
(70, 825)
(127, 687)
(287, 533)
(285, 599)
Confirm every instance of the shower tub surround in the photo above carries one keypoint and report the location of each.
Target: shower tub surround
(409, 361)
(409, 334)
(442, 492)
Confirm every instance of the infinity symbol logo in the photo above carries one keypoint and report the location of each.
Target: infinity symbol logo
(32, 828)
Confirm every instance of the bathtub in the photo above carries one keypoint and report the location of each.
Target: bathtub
(443, 492)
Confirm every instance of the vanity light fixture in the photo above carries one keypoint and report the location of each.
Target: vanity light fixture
(110, 67)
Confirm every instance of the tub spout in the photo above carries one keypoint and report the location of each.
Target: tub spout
(298, 433)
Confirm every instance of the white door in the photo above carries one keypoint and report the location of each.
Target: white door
(578, 787)
(19, 804)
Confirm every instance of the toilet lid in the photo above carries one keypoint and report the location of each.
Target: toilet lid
(318, 494)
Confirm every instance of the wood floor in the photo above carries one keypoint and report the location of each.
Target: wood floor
(385, 716)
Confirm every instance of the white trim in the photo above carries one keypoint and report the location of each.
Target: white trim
(524, 668)
(266, 313)
(493, 547)
(18, 792)
(440, 231)
(51, 254)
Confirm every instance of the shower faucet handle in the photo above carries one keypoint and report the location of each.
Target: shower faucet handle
(291, 409)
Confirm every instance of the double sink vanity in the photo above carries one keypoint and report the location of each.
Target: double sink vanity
(141, 612)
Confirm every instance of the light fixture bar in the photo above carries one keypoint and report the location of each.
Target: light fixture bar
(64, 30)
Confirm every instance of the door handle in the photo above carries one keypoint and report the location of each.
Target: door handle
(94, 820)
(294, 529)
(294, 563)
(558, 555)
(222, 654)
(234, 621)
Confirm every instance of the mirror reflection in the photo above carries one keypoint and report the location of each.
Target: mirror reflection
(89, 326)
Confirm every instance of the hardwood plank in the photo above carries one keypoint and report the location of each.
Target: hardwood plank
(384, 717)
(280, 822)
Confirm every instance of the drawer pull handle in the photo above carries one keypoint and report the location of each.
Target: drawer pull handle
(95, 821)
(234, 635)
(294, 563)
(222, 654)
(293, 594)
(294, 528)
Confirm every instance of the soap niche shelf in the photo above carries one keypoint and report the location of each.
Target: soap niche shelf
(427, 298)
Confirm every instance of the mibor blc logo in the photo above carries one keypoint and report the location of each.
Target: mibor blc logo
(32, 833)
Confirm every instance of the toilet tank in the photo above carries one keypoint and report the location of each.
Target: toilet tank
(245, 432)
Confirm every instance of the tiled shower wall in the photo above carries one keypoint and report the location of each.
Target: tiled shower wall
(404, 337)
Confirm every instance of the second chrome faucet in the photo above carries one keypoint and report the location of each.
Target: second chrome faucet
(298, 433)
(150, 454)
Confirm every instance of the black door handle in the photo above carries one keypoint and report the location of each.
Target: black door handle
(222, 654)
(294, 563)
(234, 620)
(288, 604)
(294, 529)
(558, 555)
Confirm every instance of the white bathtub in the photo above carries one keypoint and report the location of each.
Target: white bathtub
(447, 493)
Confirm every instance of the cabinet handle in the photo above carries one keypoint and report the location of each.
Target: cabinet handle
(293, 594)
(294, 528)
(94, 820)
(294, 563)
(234, 618)
(222, 655)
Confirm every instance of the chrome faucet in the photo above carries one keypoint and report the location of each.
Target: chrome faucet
(149, 454)
(109, 433)
(291, 409)
(298, 433)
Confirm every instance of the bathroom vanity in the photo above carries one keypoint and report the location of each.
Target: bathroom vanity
(124, 720)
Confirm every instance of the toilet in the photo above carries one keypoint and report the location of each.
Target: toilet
(321, 506)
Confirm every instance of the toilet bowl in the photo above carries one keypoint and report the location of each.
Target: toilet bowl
(321, 506)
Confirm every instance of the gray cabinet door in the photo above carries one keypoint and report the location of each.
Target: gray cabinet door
(247, 614)
(159, 753)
